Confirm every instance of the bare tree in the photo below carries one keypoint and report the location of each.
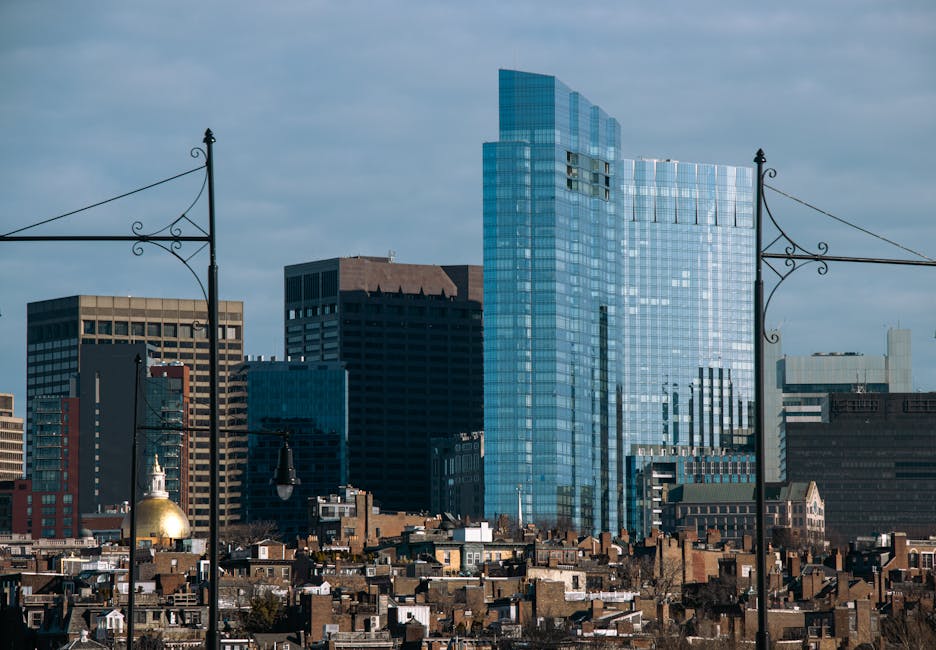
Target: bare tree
(660, 582)
(245, 534)
(911, 631)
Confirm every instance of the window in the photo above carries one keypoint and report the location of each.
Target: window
(170, 330)
(137, 329)
(121, 328)
(104, 327)
(926, 560)
(87, 327)
(154, 329)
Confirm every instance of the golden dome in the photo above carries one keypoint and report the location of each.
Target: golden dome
(157, 518)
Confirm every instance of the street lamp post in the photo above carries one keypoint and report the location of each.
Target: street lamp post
(794, 257)
(131, 581)
(212, 634)
(763, 634)
(172, 243)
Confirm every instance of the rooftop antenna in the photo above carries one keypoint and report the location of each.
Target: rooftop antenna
(391, 255)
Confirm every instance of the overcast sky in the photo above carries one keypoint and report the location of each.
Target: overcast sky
(348, 128)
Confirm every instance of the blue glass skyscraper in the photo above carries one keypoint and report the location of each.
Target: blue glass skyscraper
(612, 289)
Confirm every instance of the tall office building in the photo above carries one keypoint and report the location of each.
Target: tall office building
(166, 416)
(11, 440)
(105, 389)
(410, 336)
(52, 502)
(872, 456)
(618, 306)
(309, 401)
(173, 329)
(797, 388)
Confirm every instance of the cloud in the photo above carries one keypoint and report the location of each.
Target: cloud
(355, 127)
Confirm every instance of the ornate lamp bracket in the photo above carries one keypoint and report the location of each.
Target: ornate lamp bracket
(173, 237)
(794, 256)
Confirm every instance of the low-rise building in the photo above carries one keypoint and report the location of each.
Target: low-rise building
(351, 520)
(730, 509)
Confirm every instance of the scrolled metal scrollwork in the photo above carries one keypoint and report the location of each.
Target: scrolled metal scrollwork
(172, 236)
(791, 250)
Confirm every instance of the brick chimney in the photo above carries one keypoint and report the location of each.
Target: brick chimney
(605, 539)
(899, 549)
(812, 584)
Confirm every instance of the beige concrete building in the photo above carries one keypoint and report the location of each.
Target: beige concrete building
(11, 440)
(174, 330)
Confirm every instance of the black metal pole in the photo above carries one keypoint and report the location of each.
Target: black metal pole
(212, 640)
(131, 581)
(760, 551)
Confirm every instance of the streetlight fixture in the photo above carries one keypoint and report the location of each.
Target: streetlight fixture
(285, 478)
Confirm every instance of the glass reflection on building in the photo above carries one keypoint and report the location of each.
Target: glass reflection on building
(617, 310)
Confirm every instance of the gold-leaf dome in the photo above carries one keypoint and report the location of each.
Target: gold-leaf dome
(157, 517)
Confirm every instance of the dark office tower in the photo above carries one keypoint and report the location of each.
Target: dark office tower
(309, 401)
(60, 329)
(106, 383)
(411, 339)
(873, 458)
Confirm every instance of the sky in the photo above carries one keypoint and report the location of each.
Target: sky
(355, 128)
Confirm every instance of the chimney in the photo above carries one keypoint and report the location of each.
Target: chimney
(842, 586)
(812, 584)
(605, 543)
(899, 547)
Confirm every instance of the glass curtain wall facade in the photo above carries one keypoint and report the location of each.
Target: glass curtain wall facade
(618, 307)
(309, 400)
(551, 264)
(687, 276)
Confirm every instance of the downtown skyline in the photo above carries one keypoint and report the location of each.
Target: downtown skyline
(345, 131)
